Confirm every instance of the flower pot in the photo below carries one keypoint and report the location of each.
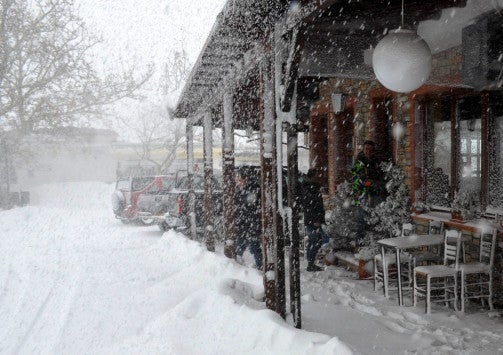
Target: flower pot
(362, 271)
(457, 216)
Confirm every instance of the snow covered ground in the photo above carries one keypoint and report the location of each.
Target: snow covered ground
(74, 280)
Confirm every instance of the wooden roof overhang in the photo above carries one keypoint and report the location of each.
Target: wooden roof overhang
(229, 54)
(332, 37)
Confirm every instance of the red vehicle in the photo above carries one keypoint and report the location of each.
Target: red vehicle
(170, 208)
(127, 192)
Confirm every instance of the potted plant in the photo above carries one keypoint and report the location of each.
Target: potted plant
(420, 207)
(463, 206)
(364, 256)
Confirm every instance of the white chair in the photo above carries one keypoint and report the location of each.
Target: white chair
(390, 263)
(477, 278)
(427, 257)
(441, 283)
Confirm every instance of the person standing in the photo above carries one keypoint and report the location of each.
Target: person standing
(248, 215)
(366, 185)
(314, 218)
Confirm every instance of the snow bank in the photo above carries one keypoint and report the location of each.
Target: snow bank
(217, 302)
(74, 280)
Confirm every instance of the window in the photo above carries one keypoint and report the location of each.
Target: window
(139, 183)
(382, 128)
(124, 185)
(437, 151)
(495, 178)
(453, 151)
(470, 143)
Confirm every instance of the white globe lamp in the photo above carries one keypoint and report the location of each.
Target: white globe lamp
(402, 61)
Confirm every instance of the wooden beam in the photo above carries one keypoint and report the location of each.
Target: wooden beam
(268, 184)
(293, 175)
(190, 179)
(209, 215)
(228, 177)
(291, 68)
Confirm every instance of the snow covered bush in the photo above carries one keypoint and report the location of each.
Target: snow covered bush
(386, 218)
(342, 221)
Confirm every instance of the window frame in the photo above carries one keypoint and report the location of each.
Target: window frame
(418, 101)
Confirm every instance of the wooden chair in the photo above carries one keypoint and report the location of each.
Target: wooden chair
(477, 278)
(390, 263)
(441, 283)
(427, 257)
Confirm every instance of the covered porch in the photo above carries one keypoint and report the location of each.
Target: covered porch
(282, 68)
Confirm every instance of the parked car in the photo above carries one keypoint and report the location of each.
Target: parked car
(125, 198)
(169, 208)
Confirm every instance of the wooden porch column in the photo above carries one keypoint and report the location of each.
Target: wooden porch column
(293, 175)
(285, 78)
(208, 182)
(228, 178)
(268, 183)
(190, 178)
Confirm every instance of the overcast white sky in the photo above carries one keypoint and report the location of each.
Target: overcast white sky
(147, 31)
(142, 32)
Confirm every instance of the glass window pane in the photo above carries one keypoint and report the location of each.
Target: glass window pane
(464, 146)
(438, 152)
(470, 134)
(495, 196)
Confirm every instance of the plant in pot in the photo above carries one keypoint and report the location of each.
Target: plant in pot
(364, 256)
(464, 205)
(420, 207)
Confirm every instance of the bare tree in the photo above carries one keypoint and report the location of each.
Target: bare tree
(46, 77)
(174, 72)
(152, 125)
(159, 137)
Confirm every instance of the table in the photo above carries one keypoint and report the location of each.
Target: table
(402, 243)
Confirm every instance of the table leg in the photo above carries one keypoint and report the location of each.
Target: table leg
(399, 277)
(384, 273)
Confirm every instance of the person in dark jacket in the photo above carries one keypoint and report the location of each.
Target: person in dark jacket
(248, 215)
(366, 176)
(314, 218)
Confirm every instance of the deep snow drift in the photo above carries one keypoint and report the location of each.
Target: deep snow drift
(75, 280)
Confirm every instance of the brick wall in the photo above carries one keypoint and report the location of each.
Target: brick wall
(446, 67)
(446, 70)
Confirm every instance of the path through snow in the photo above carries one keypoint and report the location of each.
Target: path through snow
(75, 280)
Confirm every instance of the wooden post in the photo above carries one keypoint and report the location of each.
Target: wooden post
(268, 184)
(228, 178)
(190, 178)
(293, 173)
(280, 236)
(208, 183)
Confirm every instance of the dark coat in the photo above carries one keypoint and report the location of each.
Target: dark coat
(367, 178)
(312, 203)
(371, 167)
(248, 215)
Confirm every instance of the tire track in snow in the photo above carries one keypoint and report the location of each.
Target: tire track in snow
(42, 308)
(66, 281)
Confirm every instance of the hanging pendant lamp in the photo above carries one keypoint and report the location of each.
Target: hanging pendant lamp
(402, 60)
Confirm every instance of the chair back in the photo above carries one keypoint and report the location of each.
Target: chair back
(452, 246)
(435, 227)
(407, 229)
(487, 246)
